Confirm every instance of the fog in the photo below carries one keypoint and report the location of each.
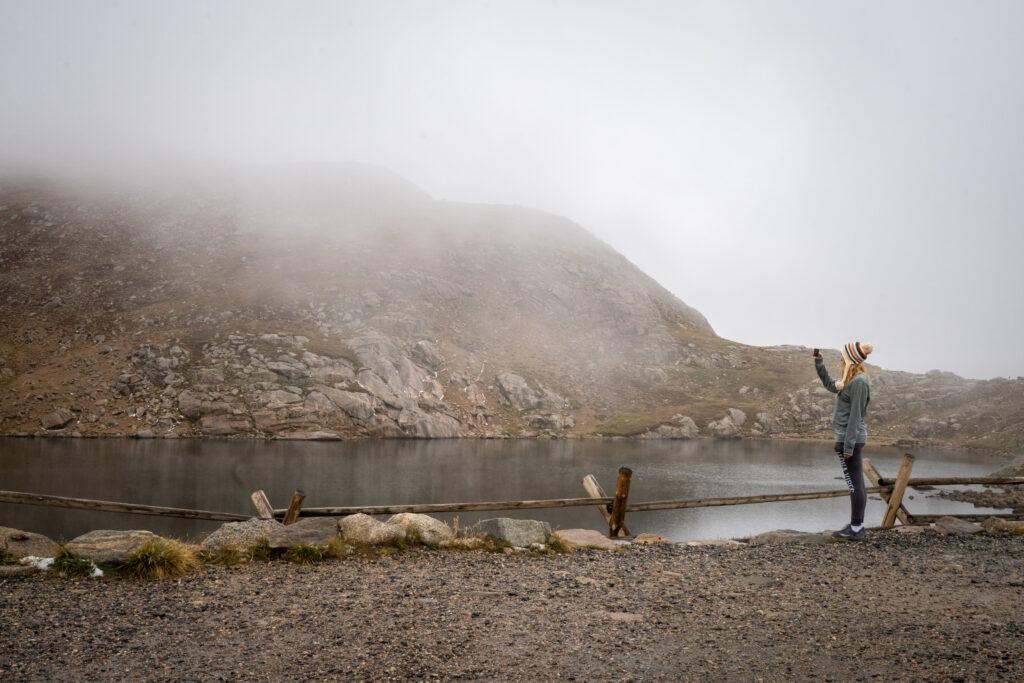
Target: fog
(800, 172)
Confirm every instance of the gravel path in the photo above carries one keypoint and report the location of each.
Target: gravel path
(901, 606)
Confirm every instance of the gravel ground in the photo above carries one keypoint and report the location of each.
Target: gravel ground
(898, 607)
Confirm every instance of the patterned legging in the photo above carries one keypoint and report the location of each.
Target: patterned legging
(853, 473)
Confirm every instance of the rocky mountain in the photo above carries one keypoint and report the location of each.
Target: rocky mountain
(343, 301)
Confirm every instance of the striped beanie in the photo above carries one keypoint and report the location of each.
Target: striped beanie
(856, 353)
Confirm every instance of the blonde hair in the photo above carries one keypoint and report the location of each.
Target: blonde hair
(852, 370)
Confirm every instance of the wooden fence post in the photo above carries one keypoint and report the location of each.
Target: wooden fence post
(594, 490)
(875, 478)
(262, 504)
(618, 516)
(898, 489)
(294, 507)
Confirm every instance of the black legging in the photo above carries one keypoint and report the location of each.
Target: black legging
(853, 472)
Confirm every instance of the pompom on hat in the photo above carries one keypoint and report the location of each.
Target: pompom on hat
(857, 352)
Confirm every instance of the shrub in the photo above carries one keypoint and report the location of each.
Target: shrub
(160, 558)
(67, 565)
(7, 558)
(305, 553)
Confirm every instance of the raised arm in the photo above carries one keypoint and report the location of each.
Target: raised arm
(826, 380)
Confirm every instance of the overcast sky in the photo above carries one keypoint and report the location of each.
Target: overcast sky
(801, 172)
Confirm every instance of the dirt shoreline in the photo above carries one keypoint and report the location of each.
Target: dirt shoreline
(900, 606)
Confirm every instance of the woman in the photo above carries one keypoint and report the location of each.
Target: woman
(853, 393)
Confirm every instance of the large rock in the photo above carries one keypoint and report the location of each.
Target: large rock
(956, 527)
(317, 531)
(19, 544)
(422, 425)
(194, 405)
(355, 404)
(725, 428)
(428, 530)
(241, 534)
(789, 536)
(365, 530)
(552, 421)
(586, 538)
(517, 393)
(58, 419)
(106, 545)
(519, 532)
(685, 428)
(224, 425)
(427, 353)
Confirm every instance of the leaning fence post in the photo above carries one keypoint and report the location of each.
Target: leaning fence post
(618, 517)
(262, 504)
(594, 490)
(294, 507)
(898, 488)
(875, 478)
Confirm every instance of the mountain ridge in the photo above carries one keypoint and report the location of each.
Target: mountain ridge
(349, 303)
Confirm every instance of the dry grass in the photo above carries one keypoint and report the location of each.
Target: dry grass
(161, 558)
(305, 553)
(68, 565)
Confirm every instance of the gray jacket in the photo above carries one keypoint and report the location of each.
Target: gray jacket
(851, 407)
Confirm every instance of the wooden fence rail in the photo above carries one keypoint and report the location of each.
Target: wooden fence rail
(613, 509)
(111, 506)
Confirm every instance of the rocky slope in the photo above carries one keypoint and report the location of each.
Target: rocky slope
(342, 301)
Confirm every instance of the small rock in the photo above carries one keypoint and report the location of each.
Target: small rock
(651, 539)
(585, 538)
(994, 525)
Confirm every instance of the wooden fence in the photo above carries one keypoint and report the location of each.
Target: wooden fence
(612, 508)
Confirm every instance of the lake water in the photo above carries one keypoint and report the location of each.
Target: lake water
(219, 475)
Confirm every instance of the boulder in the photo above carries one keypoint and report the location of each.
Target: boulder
(422, 425)
(355, 404)
(430, 531)
(365, 530)
(995, 525)
(956, 527)
(789, 536)
(518, 532)
(19, 544)
(241, 534)
(317, 531)
(106, 545)
(737, 415)
(209, 376)
(517, 393)
(725, 428)
(58, 419)
(685, 428)
(586, 538)
(194, 405)
(224, 425)
(555, 421)
(427, 353)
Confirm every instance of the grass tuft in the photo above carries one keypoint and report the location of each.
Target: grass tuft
(228, 555)
(558, 546)
(305, 553)
(68, 565)
(7, 558)
(160, 558)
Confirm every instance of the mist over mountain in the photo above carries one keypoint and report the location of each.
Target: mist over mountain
(340, 300)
